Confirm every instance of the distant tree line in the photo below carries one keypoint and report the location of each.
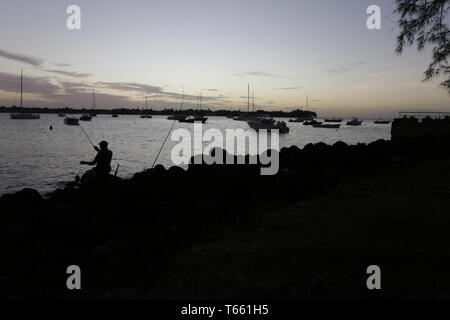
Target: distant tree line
(137, 111)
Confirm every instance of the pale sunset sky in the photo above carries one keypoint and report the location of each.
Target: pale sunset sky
(285, 50)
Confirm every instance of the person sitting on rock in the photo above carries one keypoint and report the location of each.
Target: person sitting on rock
(102, 162)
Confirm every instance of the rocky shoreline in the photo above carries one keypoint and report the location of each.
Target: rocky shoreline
(225, 231)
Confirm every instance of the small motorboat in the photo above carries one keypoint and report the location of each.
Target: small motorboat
(311, 123)
(240, 118)
(327, 126)
(115, 115)
(302, 119)
(146, 116)
(333, 120)
(382, 121)
(62, 115)
(177, 117)
(71, 121)
(267, 123)
(192, 119)
(85, 117)
(354, 122)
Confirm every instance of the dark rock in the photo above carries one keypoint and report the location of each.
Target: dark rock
(27, 196)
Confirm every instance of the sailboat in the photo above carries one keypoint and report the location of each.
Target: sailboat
(146, 116)
(303, 118)
(195, 118)
(93, 114)
(24, 116)
(88, 116)
(178, 117)
(265, 122)
(243, 117)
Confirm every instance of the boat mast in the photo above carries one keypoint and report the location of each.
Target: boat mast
(248, 97)
(21, 87)
(253, 101)
(146, 105)
(307, 103)
(93, 98)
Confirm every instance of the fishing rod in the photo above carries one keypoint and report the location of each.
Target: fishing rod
(86, 135)
(168, 133)
(160, 149)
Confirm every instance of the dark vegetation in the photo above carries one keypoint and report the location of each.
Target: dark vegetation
(423, 23)
(226, 232)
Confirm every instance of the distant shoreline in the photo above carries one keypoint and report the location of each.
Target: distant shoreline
(137, 111)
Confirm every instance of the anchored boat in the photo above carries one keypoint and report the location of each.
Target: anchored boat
(86, 117)
(268, 123)
(195, 118)
(177, 117)
(311, 123)
(354, 122)
(23, 116)
(333, 120)
(146, 116)
(327, 126)
(382, 121)
(71, 121)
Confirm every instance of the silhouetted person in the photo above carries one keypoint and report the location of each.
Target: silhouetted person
(102, 162)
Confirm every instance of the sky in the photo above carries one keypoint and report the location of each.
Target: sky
(285, 49)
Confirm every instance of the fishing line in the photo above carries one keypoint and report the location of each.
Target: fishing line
(168, 133)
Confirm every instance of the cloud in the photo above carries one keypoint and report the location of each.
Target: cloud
(62, 64)
(21, 58)
(213, 90)
(151, 91)
(288, 88)
(346, 68)
(72, 88)
(57, 92)
(262, 74)
(69, 73)
(38, 85)
(130, 86)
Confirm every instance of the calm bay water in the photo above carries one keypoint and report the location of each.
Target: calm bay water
(32, 155)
